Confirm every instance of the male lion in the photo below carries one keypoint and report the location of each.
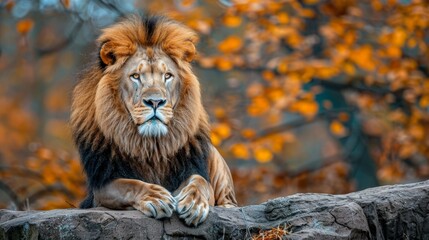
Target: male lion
(141, 129)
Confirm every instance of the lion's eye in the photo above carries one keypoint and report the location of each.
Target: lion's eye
(135, 76)
(168, 76)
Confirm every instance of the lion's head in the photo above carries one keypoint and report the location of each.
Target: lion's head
(142, 95)
(150, 90)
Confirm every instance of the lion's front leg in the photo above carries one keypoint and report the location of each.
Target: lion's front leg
(194, 197)
(151, 199)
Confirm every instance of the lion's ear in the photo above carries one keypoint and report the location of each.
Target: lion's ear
(190, 51)
(107, 54)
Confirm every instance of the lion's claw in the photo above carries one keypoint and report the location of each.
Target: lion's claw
(157, 204)
(192, 207)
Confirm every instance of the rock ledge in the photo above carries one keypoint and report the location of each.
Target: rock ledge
(387, 212)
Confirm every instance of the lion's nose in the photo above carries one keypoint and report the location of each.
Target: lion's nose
(154, 103)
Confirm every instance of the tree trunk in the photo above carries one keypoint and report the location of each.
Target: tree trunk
(388, 212)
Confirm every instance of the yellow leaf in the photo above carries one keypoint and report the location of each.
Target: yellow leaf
(283, 18)
(255, 89)
(307, 13)
(338, 129)
(295, 40)
(393, 51)
(24, 26)
(231, 20)
(306, 108)
(222, 130)
(231, 44)
(424, 101)
(262, 155)
(259, 106)
(240, 151)
(45, 154)
(215, 139)
(412, 43)
(417, 131)
(407, 150)
(399, 37)
(207, 62)
(326, 72)
(248, 133)
(268, 75)
(276, 142)
(219, 112)
(363, 57)
(282, 67)
(224, 64)
(349, 69)
(275, 94)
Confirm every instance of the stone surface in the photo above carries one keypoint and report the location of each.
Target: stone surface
(388, 212)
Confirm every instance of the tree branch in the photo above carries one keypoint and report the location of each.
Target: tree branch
(299, 123)
(74, 32)
(11, 194)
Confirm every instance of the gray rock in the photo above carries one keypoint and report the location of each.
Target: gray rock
(388, 212)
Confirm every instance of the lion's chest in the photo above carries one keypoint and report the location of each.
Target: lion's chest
(169, 172)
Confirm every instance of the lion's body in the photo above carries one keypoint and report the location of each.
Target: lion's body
(112, 149)
(104, 160)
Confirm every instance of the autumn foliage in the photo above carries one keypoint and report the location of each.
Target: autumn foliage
(304, 96)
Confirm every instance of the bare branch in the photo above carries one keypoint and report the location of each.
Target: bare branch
(46, 191)
(112, 7)
(10, 193)
(63, 44)
(299, 122)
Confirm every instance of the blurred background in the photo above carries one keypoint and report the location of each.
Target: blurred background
(303, 95)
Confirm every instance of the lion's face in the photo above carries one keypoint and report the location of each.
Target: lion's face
(150, 90)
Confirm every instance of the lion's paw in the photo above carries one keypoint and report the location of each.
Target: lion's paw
(192, 206)
(157, 203)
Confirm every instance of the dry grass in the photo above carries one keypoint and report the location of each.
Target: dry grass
(273, 234)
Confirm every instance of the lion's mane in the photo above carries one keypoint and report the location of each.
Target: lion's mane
(108, 143)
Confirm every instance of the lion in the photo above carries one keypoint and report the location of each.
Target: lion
(140, 127)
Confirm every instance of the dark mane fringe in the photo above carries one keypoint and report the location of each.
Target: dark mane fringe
(108, 143)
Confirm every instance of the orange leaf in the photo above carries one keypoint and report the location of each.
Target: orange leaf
(424, 101)
(306, 108)
(230, 45)
(240, 151)
(282, 67)
(255, 89)
(262, 155)
(268, 75)
(231, 21)
(222, 130)
(224, 64)
(417, 131)
(215, 139)
(24, 26)
(407, 150)
(283, 18)
(219, 112)
(248, 133)
(338, 129)
(259, 106)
